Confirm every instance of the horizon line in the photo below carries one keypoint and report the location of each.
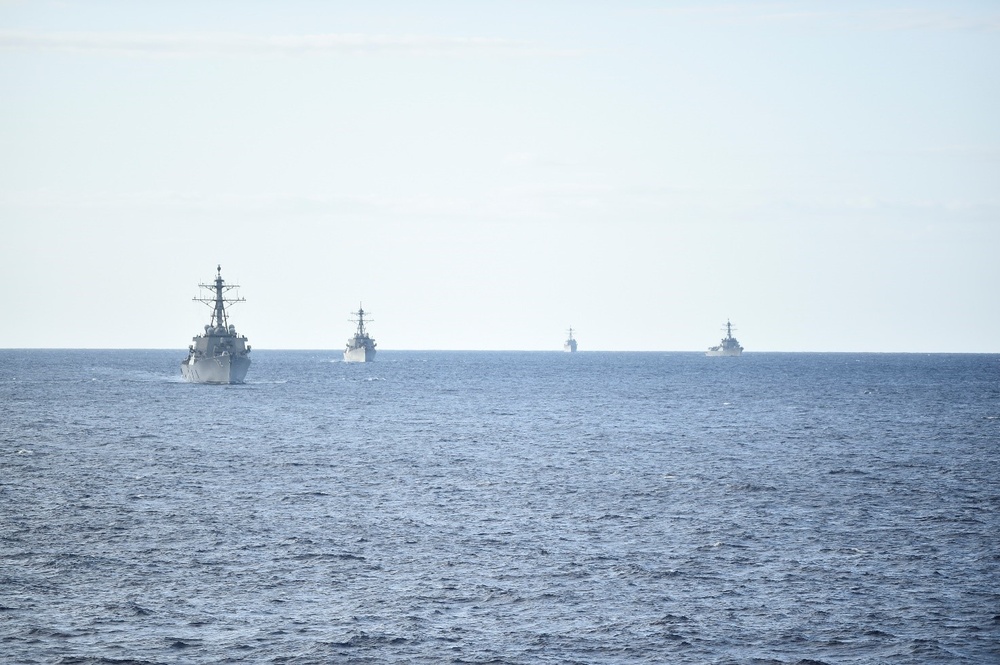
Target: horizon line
(559, 351)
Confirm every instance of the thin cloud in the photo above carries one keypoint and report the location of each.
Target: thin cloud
(201, 45)
(866, 19)
(553, 202)
(909, 20)
(260, 204)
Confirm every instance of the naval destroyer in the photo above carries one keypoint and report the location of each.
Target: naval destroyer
(728, 346)
(570, 344)
(219, 355)
(361, 347)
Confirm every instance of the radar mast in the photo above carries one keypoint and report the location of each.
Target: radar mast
(360, 321)
(219, 301)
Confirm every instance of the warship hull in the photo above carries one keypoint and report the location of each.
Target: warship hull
(361, 347)
(569, 346)
(728, 345)
(361, 354)
(218, 369)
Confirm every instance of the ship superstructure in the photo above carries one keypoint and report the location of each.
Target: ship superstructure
(570, 344)
(360, 347)
(219, 355)
(728, 346)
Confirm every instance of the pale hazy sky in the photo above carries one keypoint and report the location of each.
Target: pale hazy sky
(484, 175)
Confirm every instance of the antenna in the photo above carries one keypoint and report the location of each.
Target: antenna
(360, 320)
(218, 302)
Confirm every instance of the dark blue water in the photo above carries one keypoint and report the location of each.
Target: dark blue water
(501, 508)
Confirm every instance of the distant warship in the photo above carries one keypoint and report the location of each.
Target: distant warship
(728, 346)
(570, 344)
(219, 355)
(361, 347)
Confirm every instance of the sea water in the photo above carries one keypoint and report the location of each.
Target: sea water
(501, 507)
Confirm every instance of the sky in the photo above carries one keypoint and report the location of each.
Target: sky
(486, 175)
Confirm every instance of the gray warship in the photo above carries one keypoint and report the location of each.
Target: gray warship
(728, 346)
(361, 347)
(219, 355)
(570, 344)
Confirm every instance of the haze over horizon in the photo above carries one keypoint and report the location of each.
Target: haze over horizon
(485, 176)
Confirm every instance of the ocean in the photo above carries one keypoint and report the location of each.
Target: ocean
(501, 507)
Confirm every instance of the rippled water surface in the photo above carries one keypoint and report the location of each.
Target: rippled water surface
(501, 507)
